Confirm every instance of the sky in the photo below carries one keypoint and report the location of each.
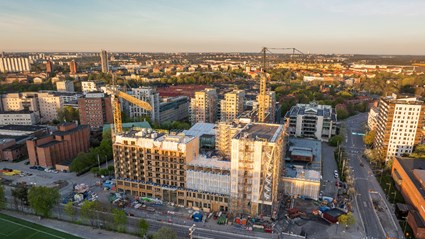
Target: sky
(312, 26)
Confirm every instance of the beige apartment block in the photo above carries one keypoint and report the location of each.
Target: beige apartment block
(203, 107)
(232, 105)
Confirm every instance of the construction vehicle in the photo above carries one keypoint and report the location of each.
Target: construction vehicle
(116, 95)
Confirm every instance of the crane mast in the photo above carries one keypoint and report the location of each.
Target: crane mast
(116, 94)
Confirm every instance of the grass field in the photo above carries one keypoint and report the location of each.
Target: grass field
(14, 228)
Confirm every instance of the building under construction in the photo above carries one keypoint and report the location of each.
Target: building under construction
(256, 166)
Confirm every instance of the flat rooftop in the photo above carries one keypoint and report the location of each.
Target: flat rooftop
(316, 149)
(261, 132)
(410, 165)
(22, 127)
(200, 129)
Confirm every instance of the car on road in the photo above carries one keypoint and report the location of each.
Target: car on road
(336, 175)
(33, 167)
(336, 171)
(27, 162)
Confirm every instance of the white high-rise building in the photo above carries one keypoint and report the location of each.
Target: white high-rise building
(149, 95)
(398, 127)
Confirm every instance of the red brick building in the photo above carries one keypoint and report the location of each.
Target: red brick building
(95, 110)
(49, 66)
(409, 176)
(72, 67)
(11, 151)
(60, 147)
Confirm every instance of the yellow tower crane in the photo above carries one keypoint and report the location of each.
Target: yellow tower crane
(116, 94)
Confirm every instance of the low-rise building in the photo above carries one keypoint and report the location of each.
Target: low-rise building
(409, 177)
(10, 150)
(19, 118)
(65, 86)
(174, 109)
(60, 147)
(303, 168)
(312, 121)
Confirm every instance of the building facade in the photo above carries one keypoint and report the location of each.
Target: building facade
(49, 66)
(65, 86)
(203, 107)
(152, 165)
(232, 105)
(372, 118)
(12, 64)
(149, 95)
(72, 67)
(174, 109)
(47, 104)
(104, 61)
(399, 123)
(409, 177)
(60, 147)
(312, 121)
(19, 118)
(89, 86)
(257, 158)
(95, 109)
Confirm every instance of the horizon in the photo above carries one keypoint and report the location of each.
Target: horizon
(328, 27)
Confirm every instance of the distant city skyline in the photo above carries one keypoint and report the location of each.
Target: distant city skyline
(313, 26)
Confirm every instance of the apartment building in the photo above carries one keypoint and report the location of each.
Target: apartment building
(399, 124)
(95, 109)
(59, 148)
(89, 86)
(49, 66)
(409, 177)
(19, 118)
(174, 109)
(65, 86)
(372, 118)
(104, 61)
(13, 64)
(257, 158)
(155, 165)
(47, 104)
(232, 105)
(147, 94)
(73, 67)
(224, 134)
(203, 107)
(312, 121)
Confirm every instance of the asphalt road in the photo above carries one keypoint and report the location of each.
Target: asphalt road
(365, 181)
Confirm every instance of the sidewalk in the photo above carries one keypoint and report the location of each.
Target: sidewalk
(74, 229)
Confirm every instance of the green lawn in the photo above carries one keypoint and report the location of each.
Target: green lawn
(14, 228)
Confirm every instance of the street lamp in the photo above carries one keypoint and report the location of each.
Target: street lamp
(191, 231)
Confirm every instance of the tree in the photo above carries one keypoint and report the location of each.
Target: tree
(68, 114)
(89, 209)
(43, 199)
(70, 210)
(2, 198)
(120, 220)
(143, 228)
(165, 233)
(335, 140)
(347, 219)
(419, 151)
(369, 138)
(20, 195)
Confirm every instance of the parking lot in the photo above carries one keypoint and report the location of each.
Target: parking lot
(43, 178)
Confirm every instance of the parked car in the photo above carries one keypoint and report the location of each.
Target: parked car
(27, 162)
